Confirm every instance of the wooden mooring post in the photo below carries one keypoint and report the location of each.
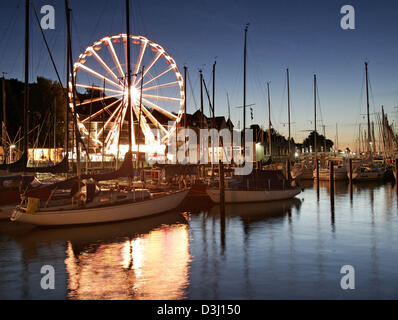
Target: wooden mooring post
(331, 172)
(222, 188)
(331, 178)
(350, 172)
(396, 176)
(317, 177)
(222, 203)
(350, 180)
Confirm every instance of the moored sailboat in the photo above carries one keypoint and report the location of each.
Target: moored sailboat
(340, 173)
(268, 185)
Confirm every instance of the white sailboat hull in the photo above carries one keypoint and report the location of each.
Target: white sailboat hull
(324, 174)
(104, 214)
(302, 174)
(242, 196)
(367, 176)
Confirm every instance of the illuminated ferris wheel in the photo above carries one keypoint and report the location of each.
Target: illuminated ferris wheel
(102, 69)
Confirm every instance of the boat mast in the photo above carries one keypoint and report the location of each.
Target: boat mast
(383, 131)
(214, 116)
(288, 106)
(201, 100)
(72, 91)
(214, 94)
(244, 92)
(269, 121)
(129, 109)
(185, 98)
(315, 131)
(26, 93)
(55, 129)
(4, 122)
(367, 109)
(140, 115)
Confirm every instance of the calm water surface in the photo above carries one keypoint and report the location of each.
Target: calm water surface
(281, 250)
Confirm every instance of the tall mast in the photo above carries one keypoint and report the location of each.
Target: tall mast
(26, 94)
(214, 116)
(229, 108)
(67, 102)
(367, 109)
(244, 90)
(269, 121)
(185, 98)
(214, 94)
(140, 115)
(315, 132)
(4, 121)
(201, 100)
(129, 109)
(288, 105)
(383, 130)
(55, 129)
(72, 90)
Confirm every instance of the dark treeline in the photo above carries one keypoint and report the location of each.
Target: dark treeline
(280, 144)
(322, 144)
(43, 94)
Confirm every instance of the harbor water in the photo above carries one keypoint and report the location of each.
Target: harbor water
(278, 250)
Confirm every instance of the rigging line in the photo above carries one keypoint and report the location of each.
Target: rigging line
(11, 21)
(46, 43)
(361, 95)
(81, 48)
(100, 18)
(319, 102)
(371, 94)
(10, 27)
(281, 107)
(192, 91)
(139, 14)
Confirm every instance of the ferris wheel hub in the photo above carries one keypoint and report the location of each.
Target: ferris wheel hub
(134, 94)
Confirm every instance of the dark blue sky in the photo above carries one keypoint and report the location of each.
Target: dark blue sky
(302, 35)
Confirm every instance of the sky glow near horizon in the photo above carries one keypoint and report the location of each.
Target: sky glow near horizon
(304, 36)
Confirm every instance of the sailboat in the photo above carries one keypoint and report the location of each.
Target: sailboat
(366, 170)
(259, 186)
(99, 212)
(21, 165)
(302, 171)
(17, 177)
(86, 203)
(340, 173)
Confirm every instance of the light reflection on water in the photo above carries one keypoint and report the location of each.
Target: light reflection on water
(291, 249)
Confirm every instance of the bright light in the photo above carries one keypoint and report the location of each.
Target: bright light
(13, 146)
(135, 95)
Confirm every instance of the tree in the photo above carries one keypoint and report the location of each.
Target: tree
(42, 95)
(320, 142)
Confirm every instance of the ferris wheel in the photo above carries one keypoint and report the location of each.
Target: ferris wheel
(102, 69)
